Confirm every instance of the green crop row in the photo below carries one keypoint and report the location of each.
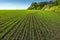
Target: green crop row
(29, 25)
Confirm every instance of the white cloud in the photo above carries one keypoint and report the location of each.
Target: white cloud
(6, 6)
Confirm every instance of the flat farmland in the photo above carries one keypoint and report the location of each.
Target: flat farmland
(29, 25)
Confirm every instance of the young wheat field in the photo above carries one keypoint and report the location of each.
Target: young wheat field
(29, 25)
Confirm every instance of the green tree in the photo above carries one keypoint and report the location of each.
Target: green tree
(42, 4)
(58, 2)
(34, 5)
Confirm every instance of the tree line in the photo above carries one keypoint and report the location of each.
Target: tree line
(40, 5)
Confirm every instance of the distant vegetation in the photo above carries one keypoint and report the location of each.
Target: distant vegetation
(51, 6)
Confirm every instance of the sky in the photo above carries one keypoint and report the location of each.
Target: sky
(16, 4)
